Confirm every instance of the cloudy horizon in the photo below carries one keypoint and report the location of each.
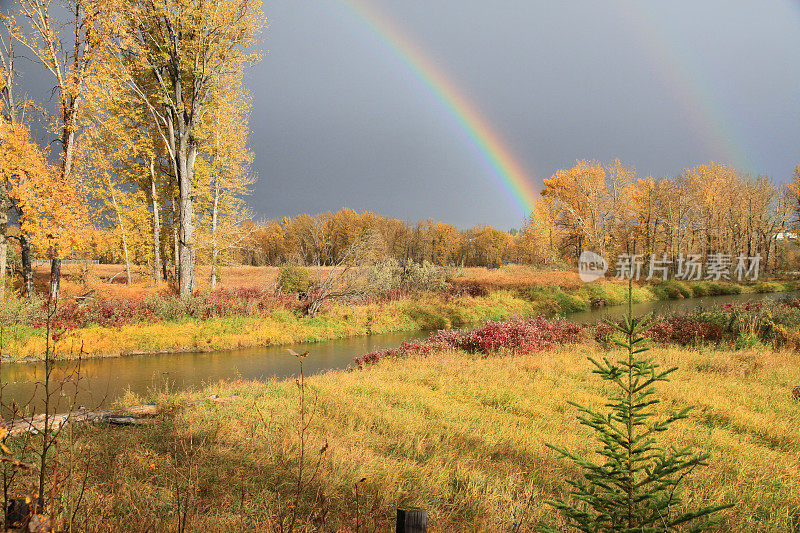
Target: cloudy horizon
(340, 119)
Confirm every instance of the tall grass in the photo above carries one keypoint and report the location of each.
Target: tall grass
(461, 435)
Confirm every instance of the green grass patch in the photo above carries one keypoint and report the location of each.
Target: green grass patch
(769, 286)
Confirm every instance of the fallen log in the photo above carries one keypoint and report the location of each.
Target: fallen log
(36, 423)
(138, 415)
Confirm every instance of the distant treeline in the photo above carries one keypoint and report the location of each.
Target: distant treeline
(706, 210)
(607, 209)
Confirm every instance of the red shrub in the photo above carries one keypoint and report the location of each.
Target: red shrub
(686, 330)
(519, 336)
(604, 333)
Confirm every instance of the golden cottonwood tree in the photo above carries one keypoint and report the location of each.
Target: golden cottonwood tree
(12, 113)
(537, 243)
(175, 53)
(23, 171)
(793, 196)
(7, 120)
(122, 152)
(226, 168)
(71, 61)
(580, 197)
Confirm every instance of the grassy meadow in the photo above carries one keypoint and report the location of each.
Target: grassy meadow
(458, 434)
(243, 312)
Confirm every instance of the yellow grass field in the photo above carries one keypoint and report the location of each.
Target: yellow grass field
(97, 276)
(459, 435)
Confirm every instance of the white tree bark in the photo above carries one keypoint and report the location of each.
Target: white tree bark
(156, 226)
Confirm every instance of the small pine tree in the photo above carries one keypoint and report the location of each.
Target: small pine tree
(634, 488)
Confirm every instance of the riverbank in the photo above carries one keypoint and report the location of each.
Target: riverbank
(234, 320)
(461, 435)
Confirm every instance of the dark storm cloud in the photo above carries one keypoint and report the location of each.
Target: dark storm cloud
(339, 121)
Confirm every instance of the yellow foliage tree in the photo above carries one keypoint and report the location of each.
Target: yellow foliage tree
(174, 55)
(55, 205)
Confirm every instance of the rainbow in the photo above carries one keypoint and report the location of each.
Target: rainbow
(688, 80)
(506, 169)
(710, 120)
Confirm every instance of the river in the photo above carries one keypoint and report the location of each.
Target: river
(103, 380)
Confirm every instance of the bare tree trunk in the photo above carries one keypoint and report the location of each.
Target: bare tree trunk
(5, 204)
(55, 276)
(156, 226)
(68, 144)
(122, 231)
(183, 154)
(7, 57)
(177, 251)
(164, 255)
(27, 268)
(3, 259)
(186, 233)
(214, 246)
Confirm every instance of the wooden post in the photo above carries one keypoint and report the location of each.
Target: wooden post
(412, 521)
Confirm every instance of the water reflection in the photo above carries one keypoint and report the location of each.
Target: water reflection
(103, 380)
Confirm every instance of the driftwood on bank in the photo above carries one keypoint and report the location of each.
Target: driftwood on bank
(139, 415)
(134, 416)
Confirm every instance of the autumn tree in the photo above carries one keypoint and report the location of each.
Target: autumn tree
(176, 52)
(538, 241)
(24, 171)
(124, 155)
(793, 196)
(225, 161)
(580, 197)
(8, 118)
(71, 60)
(12, 116)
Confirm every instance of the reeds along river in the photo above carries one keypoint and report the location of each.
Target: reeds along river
(665, 307)
(102, 380)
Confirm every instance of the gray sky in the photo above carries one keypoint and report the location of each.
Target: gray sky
(340, 120)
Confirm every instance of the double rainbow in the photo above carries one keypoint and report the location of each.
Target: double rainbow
(711, 123)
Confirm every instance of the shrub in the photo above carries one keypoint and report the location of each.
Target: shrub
(468, 288)
(20, 310)
(699, 288)
(768, 286)
(521, 336)
(604, 334)
(425, 276)
(686, 330)
(294, 279)
(516, 336)
(671, 290)
(568, 303)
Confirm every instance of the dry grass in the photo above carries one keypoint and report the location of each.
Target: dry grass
(511, 276)
(75, 282)
(461, 436)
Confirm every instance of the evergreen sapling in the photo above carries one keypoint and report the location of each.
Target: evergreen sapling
(633, 487)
